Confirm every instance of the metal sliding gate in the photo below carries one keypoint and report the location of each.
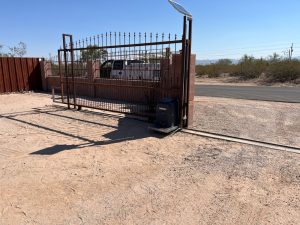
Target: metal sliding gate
(126, 73)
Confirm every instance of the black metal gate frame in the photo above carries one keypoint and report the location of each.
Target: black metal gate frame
(69, 49)
(187, 51)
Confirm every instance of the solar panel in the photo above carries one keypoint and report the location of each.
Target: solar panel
(180, 8)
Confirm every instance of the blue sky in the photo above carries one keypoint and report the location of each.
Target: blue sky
(222, 29)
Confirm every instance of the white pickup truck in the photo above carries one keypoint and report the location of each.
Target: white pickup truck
(130, 69)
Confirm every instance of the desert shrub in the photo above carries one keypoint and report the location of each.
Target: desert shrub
(223, 66)
(272, 69)
(283, 71)
(250, 68)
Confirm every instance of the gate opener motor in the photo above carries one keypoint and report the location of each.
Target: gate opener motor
(166, 116)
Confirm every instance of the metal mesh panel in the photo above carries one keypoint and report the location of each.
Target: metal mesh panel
(127, 73)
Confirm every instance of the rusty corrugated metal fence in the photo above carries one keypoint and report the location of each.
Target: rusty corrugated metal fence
(20, 74)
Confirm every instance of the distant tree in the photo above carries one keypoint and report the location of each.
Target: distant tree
(92, 53)
(20, 50)
(251, 67)
(224, 62)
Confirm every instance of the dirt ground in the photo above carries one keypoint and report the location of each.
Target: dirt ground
(70, 167)
(272, 122)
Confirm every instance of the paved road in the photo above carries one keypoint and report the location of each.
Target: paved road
(281, 94)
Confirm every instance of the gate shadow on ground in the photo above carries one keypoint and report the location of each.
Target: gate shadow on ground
(127, 129)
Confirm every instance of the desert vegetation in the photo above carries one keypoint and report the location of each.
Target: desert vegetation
(273, 69)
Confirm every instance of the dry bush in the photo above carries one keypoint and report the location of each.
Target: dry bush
(250, 68)
(223, 66)
(283, 71)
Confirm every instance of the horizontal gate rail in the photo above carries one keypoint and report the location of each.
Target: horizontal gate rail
(112, 109)
(127, 46)
(110, 85)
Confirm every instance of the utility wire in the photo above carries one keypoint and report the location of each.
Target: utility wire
(267, 51)
(255, 49)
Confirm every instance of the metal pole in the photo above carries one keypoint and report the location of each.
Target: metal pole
(182, 111)
(186, 75)
(60, 75)
(189, 66)
(66, 70)
(53, 94)
(72, 70)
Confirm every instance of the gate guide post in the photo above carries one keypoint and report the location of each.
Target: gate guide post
(186, 61)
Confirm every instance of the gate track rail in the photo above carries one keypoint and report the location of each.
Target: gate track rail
(242, 140)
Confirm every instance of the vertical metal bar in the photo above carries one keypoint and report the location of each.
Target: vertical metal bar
(124, 42)
(175, 51)
(140, 41)
(156, 60)
(182, 110)
(124, 58)
(186, 84)
(189, 65)
(53, 94)
(177, 79)
(72, 70)
(144, 76)
(134, 52)
(66, 70)
(115, 35)
(61, 77)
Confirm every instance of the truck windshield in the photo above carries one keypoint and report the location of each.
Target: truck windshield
(107, 65)
(118, 65)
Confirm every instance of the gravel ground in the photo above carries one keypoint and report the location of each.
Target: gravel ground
(273, 122)
(70, 167)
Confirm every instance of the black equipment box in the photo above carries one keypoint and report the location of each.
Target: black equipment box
(167, 113)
